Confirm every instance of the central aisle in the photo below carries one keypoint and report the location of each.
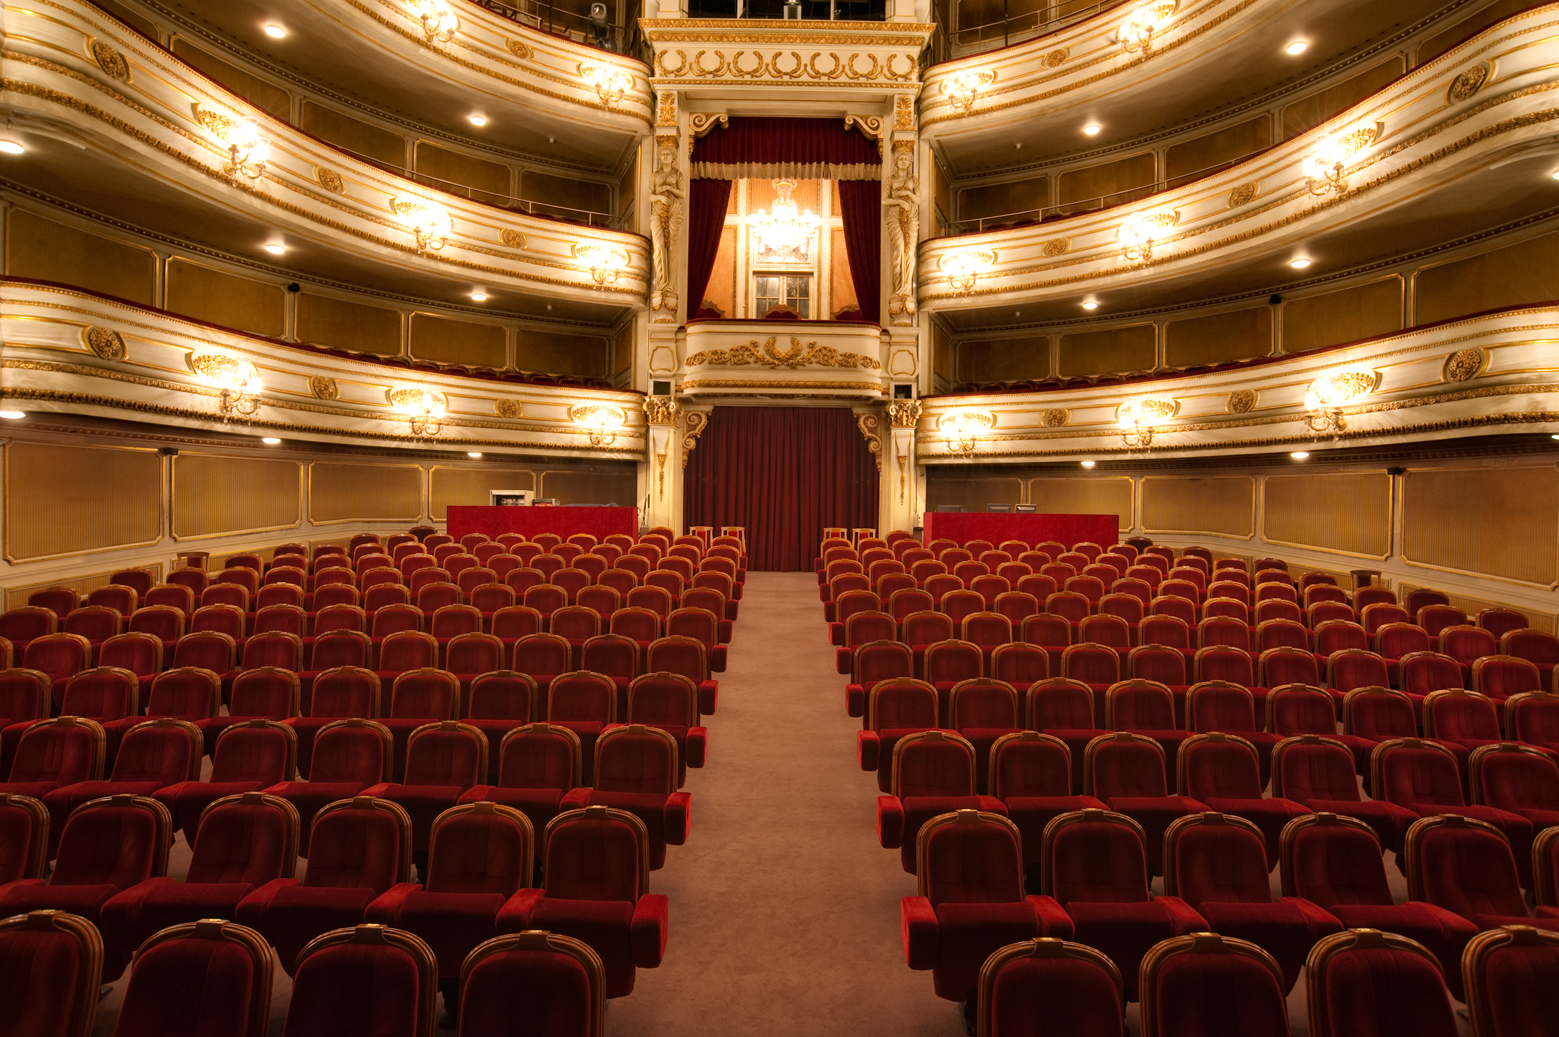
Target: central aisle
(784, 910)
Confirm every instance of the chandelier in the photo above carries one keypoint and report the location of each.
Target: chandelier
(964, 268)
(962, 88)
(1138, 231)
(964, 429)
(785, 232)
(237, 378)
(429, 223)
(247, 151)
(601, 421)
(1324, 166)
(424, 407)
(1136, 32)
(610, 83)
(604, 263)
(1139, 419)
(439, 21)
(1327, 396)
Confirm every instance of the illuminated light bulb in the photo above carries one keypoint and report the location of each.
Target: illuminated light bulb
(276, 248)
(11, 147)
(478, 120)
(275, 32)
(1300, 455)
(270, 441)
(1297, 47)
(478, 296)
(1090, 305)
(1092, 128)
(13, 415)
(474, 454)
(1089, 464)
(1299, 264)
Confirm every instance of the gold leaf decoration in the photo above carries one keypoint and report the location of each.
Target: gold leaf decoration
(771, 356)
(1464, 364)
(324, 387)
(512, 238)
(106, 344)
(1055, 417)
(904, 413)
(871, 430)
(1242, 195)
(220, 125)
(1469, 82)
(1057, 247)
(517, 48)
(329, 179)
(507, 408)
(1057, 58)
(110, 61)
(1242, 401)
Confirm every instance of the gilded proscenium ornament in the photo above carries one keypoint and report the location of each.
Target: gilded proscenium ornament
(1469, 83)
(964, 429)
(329, 179)
(1242, 401)
(507, 408)
(1055, 417)
(601, 262)
(785, 65)
(904, 112)
(768, 354)
(871, 430)
(694, 423)
(903, 413)
(661, 410)
(902, 210)
(666, 202)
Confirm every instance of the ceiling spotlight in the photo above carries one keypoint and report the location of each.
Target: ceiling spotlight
(6, 146)
(479, 296)
(1092, 129)
(1300, 455)
(11, 147)
(478, 120)
(270, 441)
(276, 248)
(12, 415)
(475, 455)
(1297, 47)
(1300, 263)
(1090, 304)
(17, 414)
(275, 32)
(1089, 464)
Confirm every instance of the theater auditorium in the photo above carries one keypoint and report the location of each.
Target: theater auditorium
(914, 518)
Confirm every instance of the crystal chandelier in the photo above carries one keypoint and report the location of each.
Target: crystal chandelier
(785, 232)
(237, 378)
(1327, 396)
(439, 21)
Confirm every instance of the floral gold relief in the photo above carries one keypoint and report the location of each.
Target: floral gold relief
(697, 421)
(324, 387)
(512, 238)
(796, 356)
(1468, 83)
(329, 179)
(507, 408)
(110, 61)
(106, 344)
(1242, 401)
(1464, 364)
(871, 429)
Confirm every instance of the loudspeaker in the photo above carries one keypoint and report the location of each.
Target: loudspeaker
(660, 388)
(903, 391)
(1396, 470)
(168, 451)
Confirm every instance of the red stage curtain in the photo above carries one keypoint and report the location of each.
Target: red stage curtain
(784, 473)
(760, 147)
(707, 202)
(860, 212)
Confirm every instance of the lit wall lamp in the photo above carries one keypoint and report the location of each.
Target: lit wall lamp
(964, 429)
(1329, 393)
(439, 21)
(600, 420)
(962, 88)
(610, 83)
(1136, 32)
(1139, 419)
(964, 268)
(604, 263)
(1325, 166)
(424, 407)
(428, 222)
(247, 150)
(237, 378)
(1138, 232)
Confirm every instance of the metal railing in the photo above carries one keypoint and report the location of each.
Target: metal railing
(616, 32)
(815, 10)
(978, 32)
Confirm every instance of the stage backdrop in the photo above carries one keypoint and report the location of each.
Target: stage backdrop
(784, 473)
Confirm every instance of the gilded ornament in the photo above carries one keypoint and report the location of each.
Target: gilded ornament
(110, 61)
(1464, 364)
(517, 48)
(507, 408)
(771, 356)
(697, 421)
(903, 413)
(1469, 82)
(1057, 58)
(219, 125)
(666, 109)
(1055, 417)
(106, 344)
(871, 430)
(1242, 195)
(1057, 247)
(904, 112)
(324, 387)
(512, 238)
(329, 179)
(1242, 401)
(870, 125)
(660, 410)
(903, 464)
(786, 65)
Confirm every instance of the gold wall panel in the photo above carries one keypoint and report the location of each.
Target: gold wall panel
(251, 88)
(628, 187)
(1490, 521)
(1004, 359)
(470, 486)
(460, 168)
(1116, 351)
(145, 26)
(1346, 512)
(1109, 183)
(366, 139)
(1085, 495)
(1346, 315)
(722, 279)
(1014, 196)
(341, 324)
(1470, 26)
(341, 492)
(1526, 272)
(559, 353)
(224, 299)
(1323, 104)
(1224, 505)
(622, 351)
(451, 341)
(841, 284)
(941, 185)
(1201, 156)
(944, 354)
(568, 192)
(217, 494)
(16, 597)
(1218, 337)
(48, 251)
(67, 499)
(973, 492)
(615, 485)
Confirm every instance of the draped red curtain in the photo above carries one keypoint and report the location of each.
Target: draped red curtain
(807, 149)
(707, 202)
(860, 212)
(784, 473)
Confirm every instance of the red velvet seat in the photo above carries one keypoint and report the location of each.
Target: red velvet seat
(253, 755)
(403, 652)
(57, 656)
(585, 703)
(1318, 772)
(153, 755)
(1376, 983)
(418, 697)
(1218, 864)
(1502, 969)
(243, 842)
(1094, 863)
(1535, 646)
(340, 693)
(443, 761)
(873, 662)
(1466, 644)
(535, 976)
(53, 753)
(933, 774)
(1049, 987)
(1465, 866)
(108, 695)
(1518, 779)
(1501, 676)
(1031, 774)
(538, 765)
(1460, 720)
(349, 756)
(1223, 771)
(597, 891)
(1278, 667)
(688, 657)
(1065, 709)
(948, 663)
(1146, 708)
(670, 702)
(982, 710)
(1533, 718)
(1126, 771)
(1308, 710)
(188, 693)
(268, 693)
(1335, 862)
(24, 837)
(54, 962)
(1019, 664)
(637, 768)
(894, 708)
(367, 980)
(497, 702)
(543, 657)
(1098, 666)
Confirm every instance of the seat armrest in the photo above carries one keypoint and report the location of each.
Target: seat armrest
(855, 699)
(717, 656)
(647, 931)
(890, 822)
(574, 799)
(828, 611)
(844, 661)
(697, 746)
(992, 805)
(1051, 918)
(678, 817)
(386, 907)
(708, 696)
(726, 628)
(252, 909)
(836, 633)
(868, 749)
(514, 915)
(920, 932)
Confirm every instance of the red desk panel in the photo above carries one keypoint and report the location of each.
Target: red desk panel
(598, 522)
(963, 527)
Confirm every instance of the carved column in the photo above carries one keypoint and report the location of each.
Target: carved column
(900, 495)
(662, 486)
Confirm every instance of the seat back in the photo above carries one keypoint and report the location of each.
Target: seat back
(1091, 664)
(1060, 704)
(1514, 777)
(678, 654)
(1424, 672)
(1094, 856)
(540, 756)
(502, 695)
(952, 661)
(1214, 858)
(164, 751)
(1533, 717)
(480, 848)
(1332, 859)
(104, 693)
(353, 751)
(369, 972)
(55, 987)
(1218, 766)
(969, 857)
(582, 696)
(114, 841)
(1312, 767)
(636, 759)
(1225, 663)
(61, 751)
(663, 699)
(927, 628)
(447, 754)
(250, 838)
(1414, 773)
(359, 843)
(1019, 664)
(901, 703)
(1301, 709)
(933, 763)
(1344, 973)
(1455, 713)
(260, 750)
(1027, 763)
(1464, 866)
(1501, 968)
(1124, 764)
(984, 703)
(1378, 714)
(1220, 706)
(24, 837)
(542, 655)
(345, 691)
(1139, 705)
(407, 650)
(597, 853)
(189, 692)
(425, 694)
(1501, 676)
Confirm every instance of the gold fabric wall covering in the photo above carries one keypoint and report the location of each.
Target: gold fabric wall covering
(1192, 159)
(1220, 504)
(1004, 359)
(65, 499)
(1526, 271)
(1118, 350)
(1096, 496)
(342, 324)
(1012, 196)
(1322, 105)
(452, 341)
(470, 486)
(1348, 315)
(43, 249)
(568, 192)
(252, 88)
(560, 353)
(1346, 512)
(460, 168)
(1124, 180)
(975, 492)
(219, 494)
(341, 129)
(1470, 27)
(364, 492)
(622, 353)
(215, 296)
(591, 487)
(1236, 335)
(1490, 521)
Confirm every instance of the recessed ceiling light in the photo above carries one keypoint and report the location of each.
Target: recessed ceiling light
(276, 248)
(11, 147)
(552, 140)
(270, 441)
(1300, 455)
(1092, 128)
(275, 32)
(6, 145)
(1297, 47)
(12, 415)
(1300, 263)
(478, 120)
(479, 296)
(1089, 304)
(1088, 464)
(1017, 146)
(474, 454)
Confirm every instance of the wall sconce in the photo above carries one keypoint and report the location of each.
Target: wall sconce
(428, 221)
(964, 268)
(965, 427)
(962, 88)
(237, 378)
(601, 420)
(610, 83)
(425, 408)
(1136, 32)
(1329, 393)
(1138, 232)
(247, 151)
(1323, 167)
(1139, 419)
(604, 263)
(439, 21)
